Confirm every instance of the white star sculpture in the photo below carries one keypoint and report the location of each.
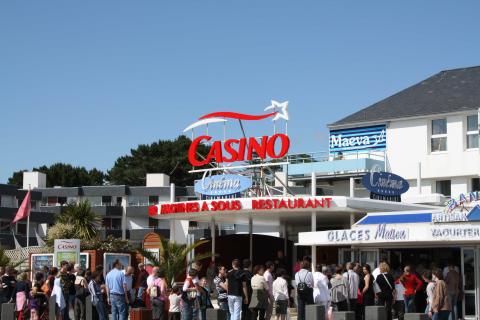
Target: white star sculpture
(282, 113)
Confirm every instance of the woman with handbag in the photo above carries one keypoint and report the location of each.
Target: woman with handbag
(158, 294)
(259, 302)
(386, 283)
(190, 291)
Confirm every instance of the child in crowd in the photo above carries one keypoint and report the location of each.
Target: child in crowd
(399, 304)
(174, 309)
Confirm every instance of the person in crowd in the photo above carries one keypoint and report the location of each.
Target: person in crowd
(339, 291)
(174, 304)
(281, 262)
(399, 305)
(38, 301)
(128, 286)
(116, 295)
(304, 282)
(386, 283)
(152, 276)
(158, 295)
(66, 284)
(259, 302)
(441, 305)
(412, 284)
(20, 296)
(321, 293)
(9, 282)
(280, 294)
(452, 281)
(221, 287)
(2, 289)
(71, 294)
(57, 291)
(141, 284)
(268, 275)
(76, 268)
(368, 295)
(190, 290)
(50, 280)
(359, 310)
(353, 282)
(211, 274)
(237, 290)
(99, 270)
(96, 295)
(427, 277)
(81, 292)
(247, 278)
(205, 302)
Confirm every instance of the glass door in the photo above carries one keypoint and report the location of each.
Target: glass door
(470, 304)
(370, 257)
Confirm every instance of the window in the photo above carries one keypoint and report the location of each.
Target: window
(21, 228)
(106, 199)
(152, 223)
(475, 184)
(444, 187)
(119, 201)
(472, 132)
(112, 223)
(153, 200)
(439, 135)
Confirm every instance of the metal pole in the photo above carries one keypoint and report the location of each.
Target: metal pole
(28, 223)
(212, 233)
(314, 221)
(250, 234)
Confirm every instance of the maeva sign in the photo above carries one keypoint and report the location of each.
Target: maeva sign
(385, 183)
(66, 250)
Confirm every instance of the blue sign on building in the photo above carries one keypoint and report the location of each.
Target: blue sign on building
(358, 139)
(385, 183)
(222, 185)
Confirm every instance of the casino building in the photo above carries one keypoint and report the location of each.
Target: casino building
(398, 182)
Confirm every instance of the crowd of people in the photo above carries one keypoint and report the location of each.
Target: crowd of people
(243, 291)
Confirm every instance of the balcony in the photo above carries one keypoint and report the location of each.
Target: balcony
(325, 164)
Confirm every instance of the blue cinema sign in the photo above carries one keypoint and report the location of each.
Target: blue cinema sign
(356, 139)
(222, 185)
(385, 183)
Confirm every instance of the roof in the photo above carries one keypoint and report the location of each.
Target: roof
(445, 92)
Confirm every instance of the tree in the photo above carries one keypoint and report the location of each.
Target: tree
(78, 221)
(65, 175)
(165, 156)
(173, 257)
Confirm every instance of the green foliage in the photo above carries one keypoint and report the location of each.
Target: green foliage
(77, 221)
(173, 257)
(110, 244)
(4, 260)
(165, 156)
(65, 175)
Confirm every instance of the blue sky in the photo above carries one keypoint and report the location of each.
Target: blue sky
(84, 82)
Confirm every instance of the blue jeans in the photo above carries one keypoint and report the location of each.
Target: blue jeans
(100, 307)
(65, 311)
(442, 315)
(119, 307)
(224, 306)
(453, 300)
(188, 307)
(235, 307)
(409, 303)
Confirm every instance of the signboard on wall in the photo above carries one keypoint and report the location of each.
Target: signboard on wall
(371, 138)
(66, 250)
(385, 185)
(222, 185)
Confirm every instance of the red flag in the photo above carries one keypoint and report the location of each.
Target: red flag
(24, 209)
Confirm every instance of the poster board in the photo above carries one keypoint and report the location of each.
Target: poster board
(66, 250)
(38, 261)
(110, 258)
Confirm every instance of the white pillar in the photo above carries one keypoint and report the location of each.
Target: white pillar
(172, 192)
(124, 217)
(213, 235)
(314, 221)
(352, 187)
(352, 219)
(419, 178)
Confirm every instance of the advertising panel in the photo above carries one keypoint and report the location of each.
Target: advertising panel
(66, 250)
(371, 138)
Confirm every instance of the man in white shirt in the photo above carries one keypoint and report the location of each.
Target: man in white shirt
(151, 278)
(280, 294)
(269, 268)
(353, 282)
(304, 283)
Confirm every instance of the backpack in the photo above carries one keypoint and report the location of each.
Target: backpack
(303, 290)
